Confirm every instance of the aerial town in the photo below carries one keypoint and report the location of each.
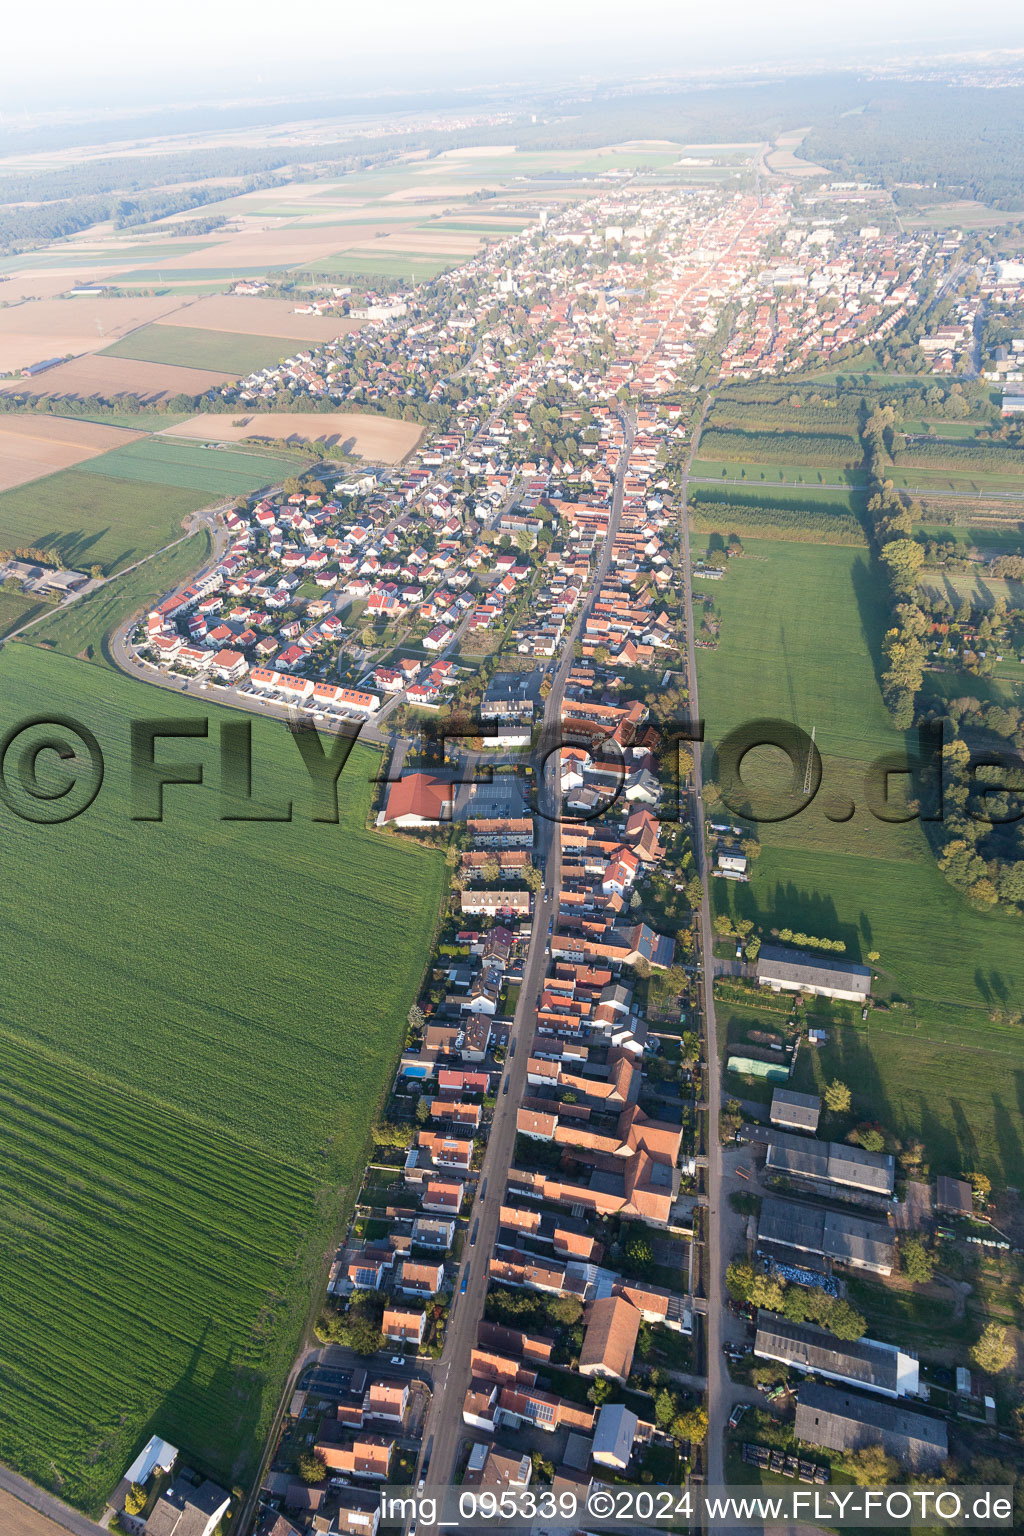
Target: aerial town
(532, 1289)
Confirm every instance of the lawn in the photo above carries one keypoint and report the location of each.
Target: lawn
(196, 1033)
(756, 474)
(193, 467)
(187, 347)
(801, 629)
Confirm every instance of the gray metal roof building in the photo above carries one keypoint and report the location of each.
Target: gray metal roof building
(866, 1363)
(831, 1162)
(953, 1197)
(614, 1435)
(843, 1421)
(836, 1235)
(794, 970)
(795, 1111)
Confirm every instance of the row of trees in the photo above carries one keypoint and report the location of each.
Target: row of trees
(979, 840)
(783, 447)
(796, 1302)
(815, 522)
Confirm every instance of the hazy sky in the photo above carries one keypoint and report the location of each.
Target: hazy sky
(63, 53)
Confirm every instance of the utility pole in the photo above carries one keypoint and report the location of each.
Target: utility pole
(808, 770)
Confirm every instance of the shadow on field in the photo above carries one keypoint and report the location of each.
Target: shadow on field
(868, 583)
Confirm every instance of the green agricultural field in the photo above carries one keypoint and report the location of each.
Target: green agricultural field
(91, 519)
(955, 431)
(800, 641)
(197, 1031)
(495, 227)
(16, 608)
(186, 347)
(970, 483)
(416, 268)
(828, 498)
(147, 419)
(1006, 540)
(982, 590)
(178, 277)
(191, 466)
(126, 503)
(81, 628)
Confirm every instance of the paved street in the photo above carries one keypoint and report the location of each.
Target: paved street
(22, 1493)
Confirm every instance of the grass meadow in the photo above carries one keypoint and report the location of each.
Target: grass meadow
(81, 628)
(197, 1030)
(800, 641)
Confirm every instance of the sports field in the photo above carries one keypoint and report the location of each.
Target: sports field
(178, 1142)
(183, 346)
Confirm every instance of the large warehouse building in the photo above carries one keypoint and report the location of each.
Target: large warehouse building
(787, 1229)
(866, 1363)
(843, 1421)
(831, 1162)
(793, 970)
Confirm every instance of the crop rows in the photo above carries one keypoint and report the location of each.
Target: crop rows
(821, 522)
(779, 447)
(190, 467)
(198, 1024)
(963, 457)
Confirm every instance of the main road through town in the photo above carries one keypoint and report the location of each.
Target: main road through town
(722, 1394)
(444, 1429)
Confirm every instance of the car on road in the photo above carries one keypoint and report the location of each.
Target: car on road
(476, 1228)
(737, 1414)
(505, 1089)
(465, 1282)
(483, 1191)
(397, 1359)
